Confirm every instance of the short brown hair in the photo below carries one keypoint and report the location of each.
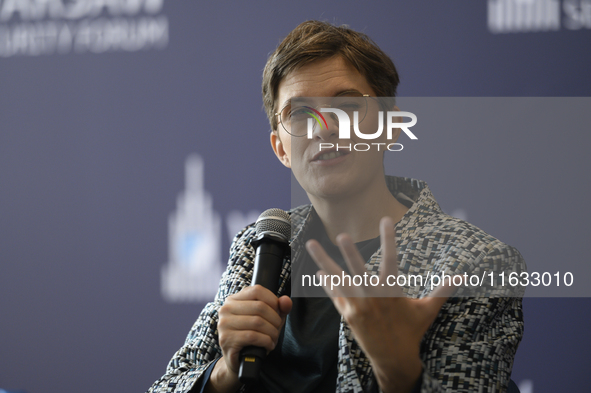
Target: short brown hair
(313, 40)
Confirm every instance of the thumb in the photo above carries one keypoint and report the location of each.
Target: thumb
(436, 299)
(285, 304)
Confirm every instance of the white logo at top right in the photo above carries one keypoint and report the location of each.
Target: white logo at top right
(518, 16)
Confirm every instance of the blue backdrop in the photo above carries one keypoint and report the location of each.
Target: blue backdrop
(102, 105)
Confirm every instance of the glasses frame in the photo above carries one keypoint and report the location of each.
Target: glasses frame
(279, 121)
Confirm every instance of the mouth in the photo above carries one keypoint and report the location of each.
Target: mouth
(329, 155)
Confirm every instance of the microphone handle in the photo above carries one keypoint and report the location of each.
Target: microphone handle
(268, 262)
(267, 268)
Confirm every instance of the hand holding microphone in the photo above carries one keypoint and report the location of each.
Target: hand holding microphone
(250, 321)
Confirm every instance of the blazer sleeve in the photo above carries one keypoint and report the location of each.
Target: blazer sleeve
(201, 346)
(471, 345)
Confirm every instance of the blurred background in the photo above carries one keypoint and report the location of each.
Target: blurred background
(133, 146)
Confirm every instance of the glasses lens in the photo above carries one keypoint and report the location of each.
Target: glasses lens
(298, 119)
(304, 113)
(297, 115)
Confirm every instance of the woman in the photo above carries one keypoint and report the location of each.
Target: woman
(364, 338)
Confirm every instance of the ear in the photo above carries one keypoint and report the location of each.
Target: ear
(279, 149)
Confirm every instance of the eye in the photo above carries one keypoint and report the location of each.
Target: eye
(299, 112)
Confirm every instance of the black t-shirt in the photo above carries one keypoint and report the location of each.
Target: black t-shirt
(306, 355)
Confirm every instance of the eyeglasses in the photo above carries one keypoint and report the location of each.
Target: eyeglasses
(294, 119)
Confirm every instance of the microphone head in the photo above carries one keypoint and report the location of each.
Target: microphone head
(274, 222)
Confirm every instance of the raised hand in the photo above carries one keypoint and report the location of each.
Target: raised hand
(387, 325)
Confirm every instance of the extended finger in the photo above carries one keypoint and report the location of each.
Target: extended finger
(336, 294)
(351, 254)
(448, 287)
(321, 258)
(333, 289)
(333, 275)
(437, 298)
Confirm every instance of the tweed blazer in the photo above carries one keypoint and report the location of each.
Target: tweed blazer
(470, 346)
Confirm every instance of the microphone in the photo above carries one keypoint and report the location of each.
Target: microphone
(273, 230)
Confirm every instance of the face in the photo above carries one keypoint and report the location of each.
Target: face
(328, 174)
